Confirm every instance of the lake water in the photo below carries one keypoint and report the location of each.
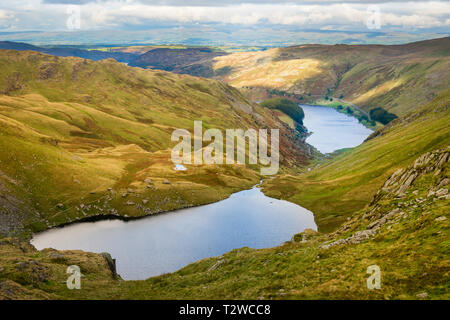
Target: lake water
(332, 130)
(167, 242)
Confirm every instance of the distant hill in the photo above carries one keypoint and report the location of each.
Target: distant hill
(125, 57)
(193, 61)
(397, 78)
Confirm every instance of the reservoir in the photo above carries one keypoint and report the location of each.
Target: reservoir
(332, 130)
(167, 242)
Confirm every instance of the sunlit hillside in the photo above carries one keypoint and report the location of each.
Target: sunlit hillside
(398, 78)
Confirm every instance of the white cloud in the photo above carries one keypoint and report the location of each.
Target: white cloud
(106, 14)
(417, 15)
(5, 15)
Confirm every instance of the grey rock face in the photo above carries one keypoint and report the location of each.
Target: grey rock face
(111, 263)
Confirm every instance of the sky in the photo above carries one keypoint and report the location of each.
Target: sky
(392, 17)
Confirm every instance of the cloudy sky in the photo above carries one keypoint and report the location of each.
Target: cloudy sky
(58, 15)
(224, 20)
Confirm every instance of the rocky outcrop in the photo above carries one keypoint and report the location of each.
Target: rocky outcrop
(402, 179)
(356, 238)
(11, 208)
(216, 265)
(396, 187)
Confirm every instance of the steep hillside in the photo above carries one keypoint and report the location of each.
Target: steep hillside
(335, 189)
(398, 78)
(288, 112)
(81, 138)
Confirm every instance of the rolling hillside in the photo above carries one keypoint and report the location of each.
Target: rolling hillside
(81, 138)
(397, 78)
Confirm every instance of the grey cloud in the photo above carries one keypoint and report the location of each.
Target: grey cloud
(217, 3)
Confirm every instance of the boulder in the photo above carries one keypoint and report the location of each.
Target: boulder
(444, 182)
